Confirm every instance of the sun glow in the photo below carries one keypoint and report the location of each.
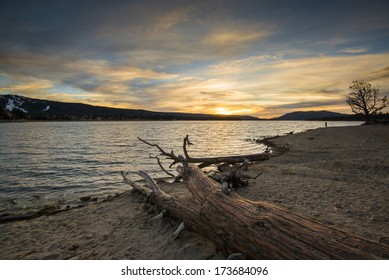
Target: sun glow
(233, 110)
(222, 111)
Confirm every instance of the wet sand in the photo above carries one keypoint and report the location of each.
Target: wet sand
(338, 176)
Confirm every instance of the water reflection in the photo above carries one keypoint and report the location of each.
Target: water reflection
(42, 162)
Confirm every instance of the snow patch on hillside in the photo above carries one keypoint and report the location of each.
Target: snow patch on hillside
(15, 104)
(10, 105)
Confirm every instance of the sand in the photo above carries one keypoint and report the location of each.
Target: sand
(338, 176)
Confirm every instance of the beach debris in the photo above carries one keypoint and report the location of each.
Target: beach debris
(47, 210)
(74, 247)
(235, 178)
(13, 201)
(89, 198)
(226, 188)
(236, 256)
(180, 228)
(159, 216)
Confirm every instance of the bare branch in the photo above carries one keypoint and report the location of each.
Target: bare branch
(161, 166)
(180, 228)
(145, 191)
(170, 155)
(205, 161)
(150, 182)
(186, 143)
(160, 215)
(231, 159)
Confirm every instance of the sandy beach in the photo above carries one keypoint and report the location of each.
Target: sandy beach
(338, 176)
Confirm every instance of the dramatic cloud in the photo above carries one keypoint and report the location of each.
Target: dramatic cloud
(260, 58)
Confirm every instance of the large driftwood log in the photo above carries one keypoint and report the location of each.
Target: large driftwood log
(258, 230)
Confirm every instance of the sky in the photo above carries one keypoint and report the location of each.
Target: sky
(261, 58)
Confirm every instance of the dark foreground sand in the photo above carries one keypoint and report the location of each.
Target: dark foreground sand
(338, 176)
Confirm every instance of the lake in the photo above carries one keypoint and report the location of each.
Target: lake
(46, 162)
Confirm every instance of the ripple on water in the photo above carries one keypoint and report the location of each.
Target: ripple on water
(43, 162)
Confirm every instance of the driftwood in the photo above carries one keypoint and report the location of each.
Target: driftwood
(236, 177)
(207, 160)
(256, 229)
(232, 178)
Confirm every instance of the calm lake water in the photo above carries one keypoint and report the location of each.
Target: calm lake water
(46, 162)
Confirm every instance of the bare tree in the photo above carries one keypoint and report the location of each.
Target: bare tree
(365, 99)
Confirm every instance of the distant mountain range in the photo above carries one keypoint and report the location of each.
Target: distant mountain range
(13, 107)
(21, 107)
(311, 115)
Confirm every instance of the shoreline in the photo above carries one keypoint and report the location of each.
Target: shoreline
(176, 120)
(334, 175)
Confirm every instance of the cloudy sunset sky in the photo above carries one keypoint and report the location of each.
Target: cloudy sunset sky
(262, 58)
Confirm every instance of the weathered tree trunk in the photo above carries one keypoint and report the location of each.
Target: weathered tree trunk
(259, 230)
(264, 230)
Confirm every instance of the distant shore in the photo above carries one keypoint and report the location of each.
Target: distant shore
(173, 120)
(337, 176)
